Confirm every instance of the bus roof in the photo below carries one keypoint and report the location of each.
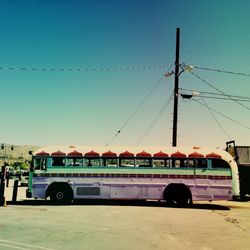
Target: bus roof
(178, 152)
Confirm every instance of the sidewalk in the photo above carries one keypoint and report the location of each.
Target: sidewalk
(21, 193)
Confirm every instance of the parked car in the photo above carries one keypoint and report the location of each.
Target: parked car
(24, 179)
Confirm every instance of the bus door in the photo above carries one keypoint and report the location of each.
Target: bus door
(202, 182)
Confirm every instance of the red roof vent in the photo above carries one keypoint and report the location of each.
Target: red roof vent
(213, 155)
(160, 155)
(75, 153)
(109, 154)
(143, 154)
(42, 153)
(58, 153)
(126, 154)
(178, 154)
(91, 154)
(196, 155)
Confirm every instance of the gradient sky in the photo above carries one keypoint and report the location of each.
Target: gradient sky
(88, 107)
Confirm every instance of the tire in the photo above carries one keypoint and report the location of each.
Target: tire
(177, 195)
(61, 195)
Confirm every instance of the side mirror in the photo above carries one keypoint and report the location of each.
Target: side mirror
(30, 152)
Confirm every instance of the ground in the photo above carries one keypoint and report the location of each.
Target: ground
(112, 225)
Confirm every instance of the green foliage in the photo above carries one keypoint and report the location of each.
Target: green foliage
(17, 165)
(24, 166)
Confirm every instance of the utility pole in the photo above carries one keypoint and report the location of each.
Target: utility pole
(2, 185)
(176, 88)
(3, 175)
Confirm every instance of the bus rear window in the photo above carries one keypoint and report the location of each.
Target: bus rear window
(201, 163)
(219, 163)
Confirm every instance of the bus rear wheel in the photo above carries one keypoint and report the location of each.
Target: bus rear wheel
(177, 195)
(61, 195)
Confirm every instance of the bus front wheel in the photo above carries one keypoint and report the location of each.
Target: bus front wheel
(61, 194)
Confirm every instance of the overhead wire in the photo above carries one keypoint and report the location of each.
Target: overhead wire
(224, 98)
(211, 95)
(219, 124)
(218, 94)
(237, 99)
(136, 109)
(152, 124)
(220, 70)
(88, 69)
(229, 118)
(116, 68)
(206, 82)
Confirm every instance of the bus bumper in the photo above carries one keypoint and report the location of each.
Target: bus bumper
(28, 194)
(236, 198)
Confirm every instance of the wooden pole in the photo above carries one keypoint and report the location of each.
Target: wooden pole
(176, 88)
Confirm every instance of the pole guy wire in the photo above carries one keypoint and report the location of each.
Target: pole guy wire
(136, 109)
(147, 131)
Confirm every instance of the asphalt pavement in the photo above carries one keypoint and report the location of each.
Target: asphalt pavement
(98, 224)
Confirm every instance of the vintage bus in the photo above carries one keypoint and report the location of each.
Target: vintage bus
(175, 175)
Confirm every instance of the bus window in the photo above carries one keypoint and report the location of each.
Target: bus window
(58, 161)
(159, 163)
(127, 162)
(40, 163)
(202, 163)
(110, 162)
(73, 161)
(143, 163)
(178, 163)
(91, 162)
(190, 163)
(219, 163)
(168, 163)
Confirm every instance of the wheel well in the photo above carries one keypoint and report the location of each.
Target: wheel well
(61, 185)
(177, 189)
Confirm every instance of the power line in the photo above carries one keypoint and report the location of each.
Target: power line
(206, 82)
(216, 96)
(223, 129)
(94, 69)
(220, 71)
(223, 98)
(233, 96)
(239, 123)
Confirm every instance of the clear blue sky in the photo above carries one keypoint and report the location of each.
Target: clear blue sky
(84, 107)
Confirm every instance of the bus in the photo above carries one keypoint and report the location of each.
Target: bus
(177, 176)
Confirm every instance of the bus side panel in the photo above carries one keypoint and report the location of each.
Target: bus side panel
(212, 190)
(39, 187)
(221, 190)
(136, 188)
